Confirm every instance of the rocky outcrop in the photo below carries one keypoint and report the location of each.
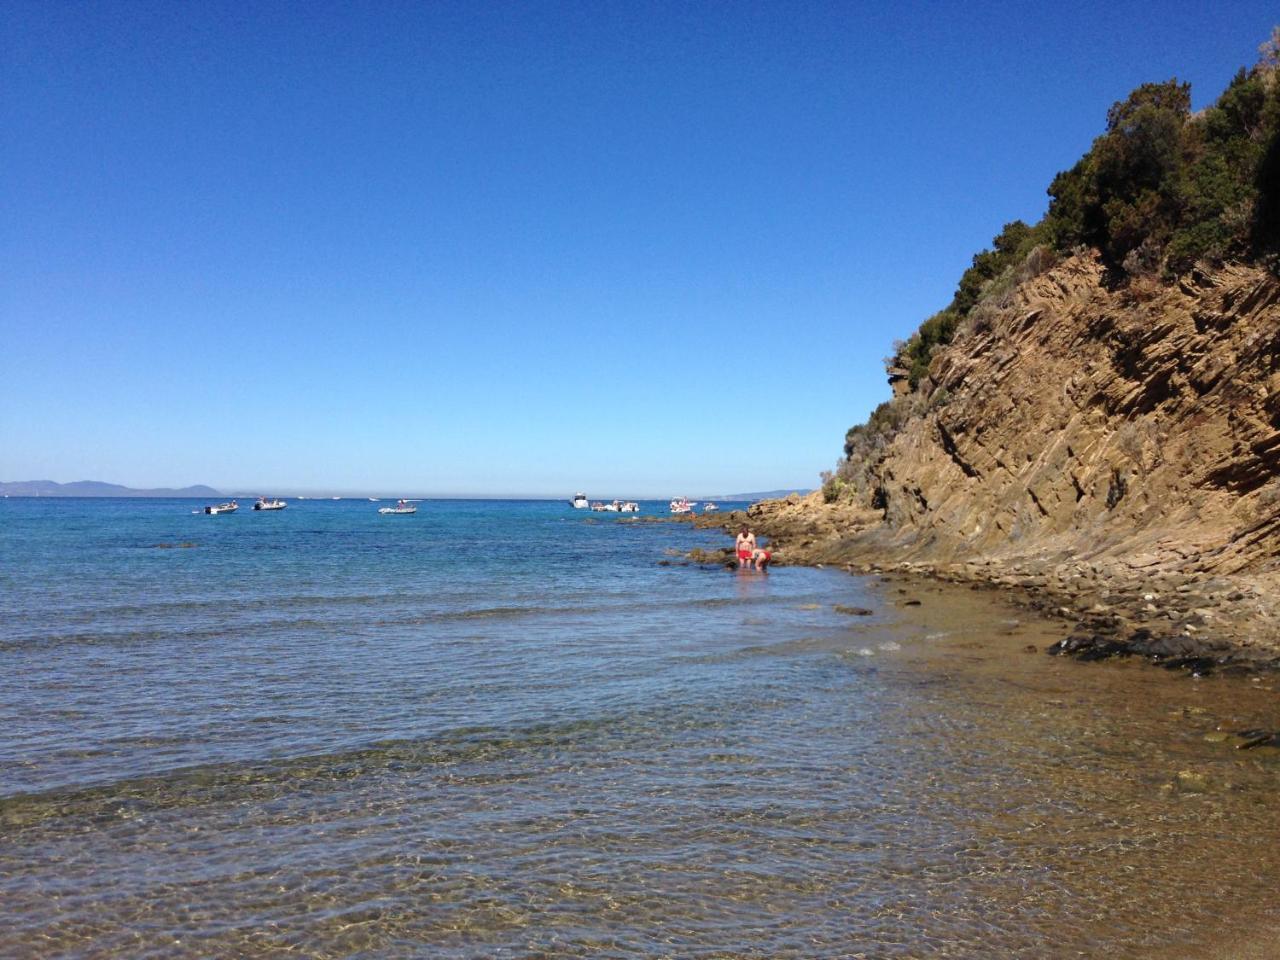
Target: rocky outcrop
(1142, 423)
(1093, 439)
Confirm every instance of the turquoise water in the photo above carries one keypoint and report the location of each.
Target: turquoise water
(149, 636)
(507, 729)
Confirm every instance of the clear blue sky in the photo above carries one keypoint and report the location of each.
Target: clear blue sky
(530, 248)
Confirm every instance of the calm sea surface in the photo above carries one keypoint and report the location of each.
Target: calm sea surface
(504, 729)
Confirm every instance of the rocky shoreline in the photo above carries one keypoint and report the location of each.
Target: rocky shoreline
(1109, 608)
(1107, 454)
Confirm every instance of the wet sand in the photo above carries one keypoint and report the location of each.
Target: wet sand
(1173, 731)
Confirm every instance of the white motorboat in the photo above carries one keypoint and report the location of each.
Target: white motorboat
(710, 508)
(402, 506)
(269, 503)
(229, 507)
(617, 506)
(683, 505)
(579, 501)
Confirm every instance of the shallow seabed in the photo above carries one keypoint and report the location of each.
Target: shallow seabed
(337, 737)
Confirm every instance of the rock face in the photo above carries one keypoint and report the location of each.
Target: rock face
(1117, 450)
(1141, 423)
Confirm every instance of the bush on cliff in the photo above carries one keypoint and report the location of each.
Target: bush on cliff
(1163, 188)
(1125, 192)
(1222, 185)
(1266, 222)
(1007, 250)
(1266, 226)
(864, 447)
(1160, 189)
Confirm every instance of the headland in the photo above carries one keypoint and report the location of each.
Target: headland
(1093, 422)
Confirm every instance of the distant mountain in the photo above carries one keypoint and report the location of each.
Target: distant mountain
(95, 488)
(763, 494)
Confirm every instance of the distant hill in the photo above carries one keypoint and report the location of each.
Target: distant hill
(95, 488)
(762, 494)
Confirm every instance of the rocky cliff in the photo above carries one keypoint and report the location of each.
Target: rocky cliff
(1143, 421)
(1096, 443)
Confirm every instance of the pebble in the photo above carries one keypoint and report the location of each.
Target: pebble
(1191, 780)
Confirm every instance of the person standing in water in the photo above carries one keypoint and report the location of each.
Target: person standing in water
(745, 547)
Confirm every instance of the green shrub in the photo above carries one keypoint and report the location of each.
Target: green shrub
(833, 488)
(1162, 186)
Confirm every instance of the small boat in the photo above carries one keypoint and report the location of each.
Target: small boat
(617, 506)
(373, 499)
(579, 501)
(269, 503)
(403, 506)
(710, 508)
(229, 507)
(683, 505)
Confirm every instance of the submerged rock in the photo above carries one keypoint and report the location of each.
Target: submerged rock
(1197, 656)
(1198, 666)
(722, 557)
(1089, 647)
(1249, 739)
(1192, 781)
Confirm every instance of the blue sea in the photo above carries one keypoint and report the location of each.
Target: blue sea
(508, 728)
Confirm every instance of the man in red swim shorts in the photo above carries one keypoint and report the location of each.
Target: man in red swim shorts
(746, 547)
